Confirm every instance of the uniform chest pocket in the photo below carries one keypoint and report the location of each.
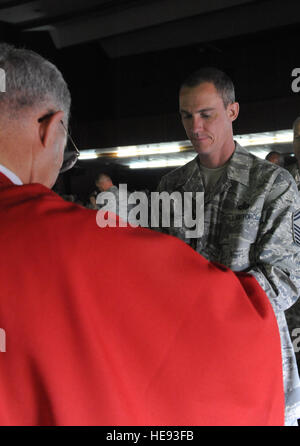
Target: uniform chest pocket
(239, 229)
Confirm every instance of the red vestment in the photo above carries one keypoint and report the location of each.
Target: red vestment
(124, 326)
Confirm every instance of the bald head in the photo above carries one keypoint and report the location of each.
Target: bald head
(275, 158)
(103, 182)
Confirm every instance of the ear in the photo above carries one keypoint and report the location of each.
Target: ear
(233, 111)
(49, 127)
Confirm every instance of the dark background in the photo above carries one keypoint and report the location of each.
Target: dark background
(124, 61)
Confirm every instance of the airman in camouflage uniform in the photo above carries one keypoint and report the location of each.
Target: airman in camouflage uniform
(248, 213)
(293, 313)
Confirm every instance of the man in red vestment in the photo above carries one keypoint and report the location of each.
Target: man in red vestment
(114, 325)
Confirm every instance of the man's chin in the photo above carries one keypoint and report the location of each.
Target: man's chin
(202, 146)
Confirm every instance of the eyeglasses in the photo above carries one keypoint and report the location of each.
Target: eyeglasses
(70, 156)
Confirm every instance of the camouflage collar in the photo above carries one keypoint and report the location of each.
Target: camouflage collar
(191, 175)
(239, 165)
(238, 170)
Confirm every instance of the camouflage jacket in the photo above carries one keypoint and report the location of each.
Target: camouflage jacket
(294, 171)
(248, 226)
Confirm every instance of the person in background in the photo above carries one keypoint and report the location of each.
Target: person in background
(292, 165)
(251, 207)
(275, 157)
(103, 183)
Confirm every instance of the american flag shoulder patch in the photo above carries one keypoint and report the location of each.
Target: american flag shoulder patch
(296, 227)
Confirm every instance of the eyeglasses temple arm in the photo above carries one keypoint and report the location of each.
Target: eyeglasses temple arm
(71, 139)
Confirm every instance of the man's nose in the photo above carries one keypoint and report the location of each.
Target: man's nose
(196, 124)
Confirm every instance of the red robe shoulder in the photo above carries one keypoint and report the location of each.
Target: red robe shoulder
(125, 326)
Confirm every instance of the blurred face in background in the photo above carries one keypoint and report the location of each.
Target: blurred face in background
(104, 183)
(274, 158)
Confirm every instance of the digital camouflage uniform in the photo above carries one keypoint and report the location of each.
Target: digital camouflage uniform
(293, 313)
(294, 171)
(248, 226)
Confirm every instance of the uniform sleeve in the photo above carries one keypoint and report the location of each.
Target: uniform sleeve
(276, 254)
(162, 186)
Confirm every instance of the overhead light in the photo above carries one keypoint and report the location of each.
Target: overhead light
(259, 139)
(172, 162)
(158, 149)
(149, 149)
(88, 155)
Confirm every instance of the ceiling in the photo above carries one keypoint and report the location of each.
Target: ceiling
(72, 22)
(128, 27)
(124, 60)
